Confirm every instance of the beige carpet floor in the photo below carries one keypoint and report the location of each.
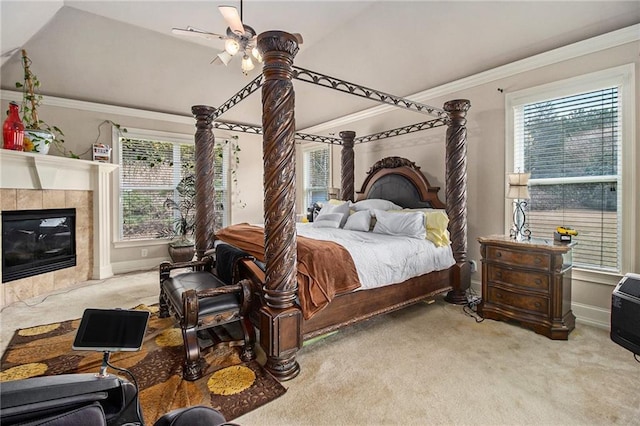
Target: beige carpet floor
(425, 365)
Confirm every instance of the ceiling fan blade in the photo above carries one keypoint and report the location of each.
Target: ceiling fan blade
(190, 32)
(230, 14)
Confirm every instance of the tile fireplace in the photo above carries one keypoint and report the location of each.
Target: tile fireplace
(31, 182)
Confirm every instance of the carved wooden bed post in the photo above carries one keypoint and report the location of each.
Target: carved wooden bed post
(205, 191)
(347, 166)
(456, 180)
(280, 318)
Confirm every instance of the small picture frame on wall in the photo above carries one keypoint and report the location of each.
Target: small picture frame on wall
(102, 153)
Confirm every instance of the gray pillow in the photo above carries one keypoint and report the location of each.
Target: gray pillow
(359, 221)
(400, 223)
(327, 220)
(375, 204)
(342, 209)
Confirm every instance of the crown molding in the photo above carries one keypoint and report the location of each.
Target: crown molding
(581, 48)
(10, 95)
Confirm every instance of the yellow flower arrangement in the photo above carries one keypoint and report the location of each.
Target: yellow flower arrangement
(27, 145)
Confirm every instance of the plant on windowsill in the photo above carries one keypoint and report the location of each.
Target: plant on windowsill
(38, 135)
(182, 248)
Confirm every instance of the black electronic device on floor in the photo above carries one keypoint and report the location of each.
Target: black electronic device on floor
(625, 313)
(111, 330)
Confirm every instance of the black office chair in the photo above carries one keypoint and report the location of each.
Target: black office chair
(87, 400)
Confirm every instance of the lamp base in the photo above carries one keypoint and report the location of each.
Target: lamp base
(520, 231)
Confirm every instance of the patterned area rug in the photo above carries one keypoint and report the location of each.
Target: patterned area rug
(228, 384)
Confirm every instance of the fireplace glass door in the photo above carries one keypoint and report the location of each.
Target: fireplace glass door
(37, 241)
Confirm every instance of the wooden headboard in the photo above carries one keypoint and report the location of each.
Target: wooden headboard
(399, 180)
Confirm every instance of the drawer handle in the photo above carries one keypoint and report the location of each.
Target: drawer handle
(498, 274)
(537, 260)
(498, 254)
(537, 304)
(538, 281)
(498, 296)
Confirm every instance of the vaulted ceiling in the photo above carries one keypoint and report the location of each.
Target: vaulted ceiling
(123, 52)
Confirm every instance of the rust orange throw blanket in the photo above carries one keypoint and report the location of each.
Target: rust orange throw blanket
(325, 268)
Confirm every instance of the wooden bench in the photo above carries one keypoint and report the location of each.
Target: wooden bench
(201, 302)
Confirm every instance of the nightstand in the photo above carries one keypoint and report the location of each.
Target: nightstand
(528, 282)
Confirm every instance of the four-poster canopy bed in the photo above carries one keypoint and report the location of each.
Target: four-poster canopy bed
(277, 311)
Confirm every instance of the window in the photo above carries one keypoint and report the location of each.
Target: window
(316, 175)
(572, 138)
(152, 165)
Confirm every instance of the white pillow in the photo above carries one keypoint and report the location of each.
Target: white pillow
(342, 209)
(359, 221)
(396, 223)
(375, 204)
(328, 220)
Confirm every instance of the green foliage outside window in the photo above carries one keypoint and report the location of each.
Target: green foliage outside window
(150, 174)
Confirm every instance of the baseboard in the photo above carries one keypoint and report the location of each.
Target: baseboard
(137, 265)
(476, 286)
(585, 314)
(592, 315)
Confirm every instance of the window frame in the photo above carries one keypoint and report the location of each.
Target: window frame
(305, 151)
(146, 134)
(624, 78)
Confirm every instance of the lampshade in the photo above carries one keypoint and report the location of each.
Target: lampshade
(247, 64)
(518, 186)
(256, 54)
(518, 192)
(519, 179)
(231, 46)
(224, 57)
(334, 193)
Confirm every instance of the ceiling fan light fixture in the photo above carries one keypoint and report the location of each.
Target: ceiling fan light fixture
(247, 64)
(231, 46)
(224, 57)
(256, 54)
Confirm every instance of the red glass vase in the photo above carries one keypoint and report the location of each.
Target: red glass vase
(13, 129)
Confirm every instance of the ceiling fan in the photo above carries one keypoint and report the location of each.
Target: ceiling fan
(239, 38)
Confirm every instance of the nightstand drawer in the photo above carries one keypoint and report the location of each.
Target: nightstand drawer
(535, 260)
(528, 280)
(527, 303)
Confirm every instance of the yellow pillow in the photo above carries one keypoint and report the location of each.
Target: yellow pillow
(436, 221)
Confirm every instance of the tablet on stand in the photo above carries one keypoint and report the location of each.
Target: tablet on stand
(111, 330)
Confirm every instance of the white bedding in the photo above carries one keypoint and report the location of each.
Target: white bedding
(384, 259)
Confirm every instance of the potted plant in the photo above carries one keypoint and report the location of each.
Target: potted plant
(38, 135)
(182, 248)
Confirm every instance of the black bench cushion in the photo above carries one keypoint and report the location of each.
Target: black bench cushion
(198, 281)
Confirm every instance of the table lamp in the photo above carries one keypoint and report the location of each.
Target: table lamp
(519, 193)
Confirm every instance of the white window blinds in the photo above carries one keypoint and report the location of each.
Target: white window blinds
(149, 174)
(571, 146)
(316, 175)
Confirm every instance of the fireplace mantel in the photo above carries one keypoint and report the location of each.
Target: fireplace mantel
(25, 170)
